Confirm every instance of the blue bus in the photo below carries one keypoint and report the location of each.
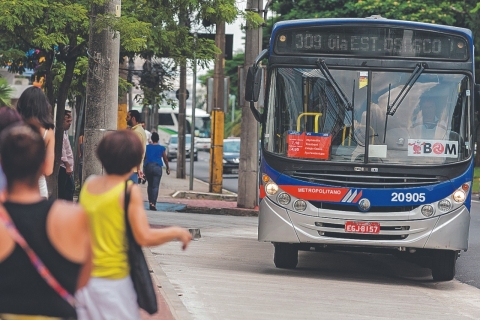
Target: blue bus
(367, 139)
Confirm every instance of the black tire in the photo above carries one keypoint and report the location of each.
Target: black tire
(443, 264)
(285, 256)
(195, 158)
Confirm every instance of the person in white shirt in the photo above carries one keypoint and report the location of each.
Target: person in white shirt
(66, 186)
(148, 133)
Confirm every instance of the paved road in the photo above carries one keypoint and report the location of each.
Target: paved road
(468, 265)
(201, 169)
(228, 274)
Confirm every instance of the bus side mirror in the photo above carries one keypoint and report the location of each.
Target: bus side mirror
(253, 84)
(476, 100)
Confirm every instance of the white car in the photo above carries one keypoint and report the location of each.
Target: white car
(203, 143)
(172, 147)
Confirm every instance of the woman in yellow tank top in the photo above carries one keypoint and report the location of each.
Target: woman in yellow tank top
(110, 293)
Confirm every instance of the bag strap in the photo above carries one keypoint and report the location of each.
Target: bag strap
(34, 259)
(126, 201)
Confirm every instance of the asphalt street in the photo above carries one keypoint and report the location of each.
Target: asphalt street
(228, 274)
(468, 265)
(201, 170)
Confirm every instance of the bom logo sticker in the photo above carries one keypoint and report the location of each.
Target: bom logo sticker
(432, 148)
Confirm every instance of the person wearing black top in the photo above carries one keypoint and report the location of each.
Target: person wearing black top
(57, 231)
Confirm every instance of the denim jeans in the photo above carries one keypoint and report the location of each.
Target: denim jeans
(134, 177)
(153, 172)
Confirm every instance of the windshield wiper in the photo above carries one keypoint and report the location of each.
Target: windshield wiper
(326, 73)
(391, 109)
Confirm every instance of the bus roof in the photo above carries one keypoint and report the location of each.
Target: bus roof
(199, 113)
(378, 21)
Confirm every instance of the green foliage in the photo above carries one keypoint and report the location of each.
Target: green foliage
(231, 71)
(5, 92)
(439, 12)
(233, 129)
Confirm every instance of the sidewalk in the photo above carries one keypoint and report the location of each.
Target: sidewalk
(174, 195)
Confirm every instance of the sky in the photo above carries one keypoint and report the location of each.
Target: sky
(236, 29)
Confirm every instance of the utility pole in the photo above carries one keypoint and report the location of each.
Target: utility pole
(123, 100)
(218, 114)
(102, 86)
(182, 120)
(248, 169)
(194, 105)
(182, 109)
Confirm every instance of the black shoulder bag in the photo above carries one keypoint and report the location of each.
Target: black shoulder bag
(142, 281)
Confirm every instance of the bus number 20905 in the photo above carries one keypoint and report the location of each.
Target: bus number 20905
(408, 197)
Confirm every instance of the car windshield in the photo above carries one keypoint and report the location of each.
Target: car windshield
(174, 140)
(310, 119)
(232, 146)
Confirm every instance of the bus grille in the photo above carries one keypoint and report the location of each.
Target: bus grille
(364, 179)
(354, 208)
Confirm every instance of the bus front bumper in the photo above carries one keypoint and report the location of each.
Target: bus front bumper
(447, 231)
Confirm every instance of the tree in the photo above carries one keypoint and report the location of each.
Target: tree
(49, 36)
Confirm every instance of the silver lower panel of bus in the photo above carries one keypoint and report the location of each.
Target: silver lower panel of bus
(447, 231)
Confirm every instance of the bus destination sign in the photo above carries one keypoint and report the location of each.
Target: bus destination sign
(371, 42)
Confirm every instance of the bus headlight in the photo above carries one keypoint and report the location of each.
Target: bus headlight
(444, 205)
(428, 210)
(300, 205)
(459, 196)
(284, 198)
(271, 188)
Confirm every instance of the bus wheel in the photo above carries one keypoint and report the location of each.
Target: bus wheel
(285, 256)
(443, 264)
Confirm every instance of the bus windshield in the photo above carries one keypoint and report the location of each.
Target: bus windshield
(307, 118)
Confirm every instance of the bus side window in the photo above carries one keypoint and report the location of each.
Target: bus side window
(165, 119)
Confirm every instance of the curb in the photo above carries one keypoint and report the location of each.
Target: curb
(221, 211)
(204, 196)
(166, 289)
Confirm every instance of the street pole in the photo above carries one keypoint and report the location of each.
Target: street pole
(123, 100)
(218, 114)
(102, 86)
(194, 103)
(233, 107)
(248, 169)
(182, 106)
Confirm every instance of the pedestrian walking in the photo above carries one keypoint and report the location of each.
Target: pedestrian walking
(8, 117)
(66, 185)
(133, 121)
(45, 249)
(33, 104)
(153, 169)
(110, 293)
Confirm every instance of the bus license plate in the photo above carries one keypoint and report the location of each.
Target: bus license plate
(362, 227)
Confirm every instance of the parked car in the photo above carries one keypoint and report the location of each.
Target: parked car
(231, 155)
(172, 147)
(203, 143)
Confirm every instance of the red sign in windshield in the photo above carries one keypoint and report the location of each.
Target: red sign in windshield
(309, 145)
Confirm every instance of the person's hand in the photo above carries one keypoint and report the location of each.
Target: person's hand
(185, 237)
(69, 170)
(168, 171)
(141, 175)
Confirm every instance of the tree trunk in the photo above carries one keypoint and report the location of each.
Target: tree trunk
(60, 112)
